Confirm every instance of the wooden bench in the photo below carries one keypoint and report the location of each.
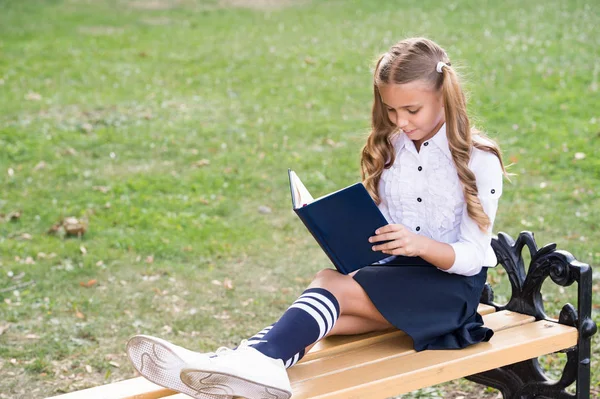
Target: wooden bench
(384, 364)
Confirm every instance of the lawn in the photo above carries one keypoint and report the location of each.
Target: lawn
(166, 128)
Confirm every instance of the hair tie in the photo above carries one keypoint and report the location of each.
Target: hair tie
(440, 65)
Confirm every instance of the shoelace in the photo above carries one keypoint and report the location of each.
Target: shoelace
(223, 350)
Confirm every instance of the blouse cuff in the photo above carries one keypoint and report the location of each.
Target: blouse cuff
(466, 262)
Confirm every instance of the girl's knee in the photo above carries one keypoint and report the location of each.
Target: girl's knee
(326, 274)
(334, 282)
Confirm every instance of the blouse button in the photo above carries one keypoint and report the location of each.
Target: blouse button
(493, 191)
(420, 168)
(426, 143)
(419, 199)
(418, 228)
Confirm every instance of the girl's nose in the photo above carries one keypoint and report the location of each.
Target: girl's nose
(401, 122)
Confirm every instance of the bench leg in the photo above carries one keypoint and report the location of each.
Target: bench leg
(526, 380)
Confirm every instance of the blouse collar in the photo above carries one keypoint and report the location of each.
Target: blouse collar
(440, 139)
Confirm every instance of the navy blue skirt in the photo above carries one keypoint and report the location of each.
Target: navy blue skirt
(438, 310)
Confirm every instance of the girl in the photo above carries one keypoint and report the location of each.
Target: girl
(437, 181)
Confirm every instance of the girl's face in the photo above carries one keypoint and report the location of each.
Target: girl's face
(415, 108)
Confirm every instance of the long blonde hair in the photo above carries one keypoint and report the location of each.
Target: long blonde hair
(417, 59)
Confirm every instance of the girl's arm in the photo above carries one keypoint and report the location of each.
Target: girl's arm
(437, 253)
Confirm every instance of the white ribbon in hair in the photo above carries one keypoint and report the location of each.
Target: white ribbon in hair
(439, 66)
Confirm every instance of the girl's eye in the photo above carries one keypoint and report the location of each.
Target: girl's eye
(413, 112)
(390, 110)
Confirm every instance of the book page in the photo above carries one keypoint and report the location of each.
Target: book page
(301, 195)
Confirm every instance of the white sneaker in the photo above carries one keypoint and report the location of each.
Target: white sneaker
(161, 362)
(241, 372)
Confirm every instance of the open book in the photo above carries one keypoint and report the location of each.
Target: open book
(341, 222)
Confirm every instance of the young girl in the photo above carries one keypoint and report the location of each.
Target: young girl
(437, 181)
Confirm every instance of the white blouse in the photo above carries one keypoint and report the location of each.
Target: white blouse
(422, 191)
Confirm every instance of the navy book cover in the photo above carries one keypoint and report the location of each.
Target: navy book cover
(341, 222)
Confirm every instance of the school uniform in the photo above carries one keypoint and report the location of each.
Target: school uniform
(422, 191)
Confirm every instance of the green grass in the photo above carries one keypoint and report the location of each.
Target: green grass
(121, 99)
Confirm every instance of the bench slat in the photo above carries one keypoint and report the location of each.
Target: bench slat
(343, 343)
(395, 375)
(133, 388)
(391, 345)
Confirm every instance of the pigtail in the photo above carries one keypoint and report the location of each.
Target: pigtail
(377, 154)
(460, 141)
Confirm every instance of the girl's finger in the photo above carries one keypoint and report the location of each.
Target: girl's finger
(397, 251)
(385, 237)
(388, 245)
(389, 228)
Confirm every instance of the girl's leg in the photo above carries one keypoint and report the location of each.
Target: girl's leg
(314, 315)
(351, 325)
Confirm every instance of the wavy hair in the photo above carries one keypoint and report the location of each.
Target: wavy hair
(407, 61)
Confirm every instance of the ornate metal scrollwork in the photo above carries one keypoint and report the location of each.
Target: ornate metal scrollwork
(526, 379)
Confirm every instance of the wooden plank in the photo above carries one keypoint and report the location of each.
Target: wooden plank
(342, 343)
(399, 374)
(391, 345)
(485, 309)
(133, 388)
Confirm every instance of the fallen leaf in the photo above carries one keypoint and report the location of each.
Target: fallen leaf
(265, 210)
(247, 302)
(114, 364)
(88, 368)
(83, 250)
(13, 216)
(216, 282)
(74, 226)
(3, 328)
(150, 259)
(70, 151)
(228, 284)
(41, 165)
(29, 261)
(79, 315)
(26, 236)
(200, 163)
(102, 189)
(579, 155)
(32, 336)
(33, 96)
(87, 128)
(89, 284)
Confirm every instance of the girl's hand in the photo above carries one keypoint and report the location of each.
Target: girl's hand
(401, 241)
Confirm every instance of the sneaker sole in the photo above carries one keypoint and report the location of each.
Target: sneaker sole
(236, 386)
(159, 364)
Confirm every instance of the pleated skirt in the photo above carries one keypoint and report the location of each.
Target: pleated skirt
(438, 310)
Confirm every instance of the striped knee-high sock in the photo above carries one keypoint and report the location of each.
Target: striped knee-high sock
(307, 321)
(258, 336)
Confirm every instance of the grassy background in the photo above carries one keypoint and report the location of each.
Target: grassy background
(169, 125)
